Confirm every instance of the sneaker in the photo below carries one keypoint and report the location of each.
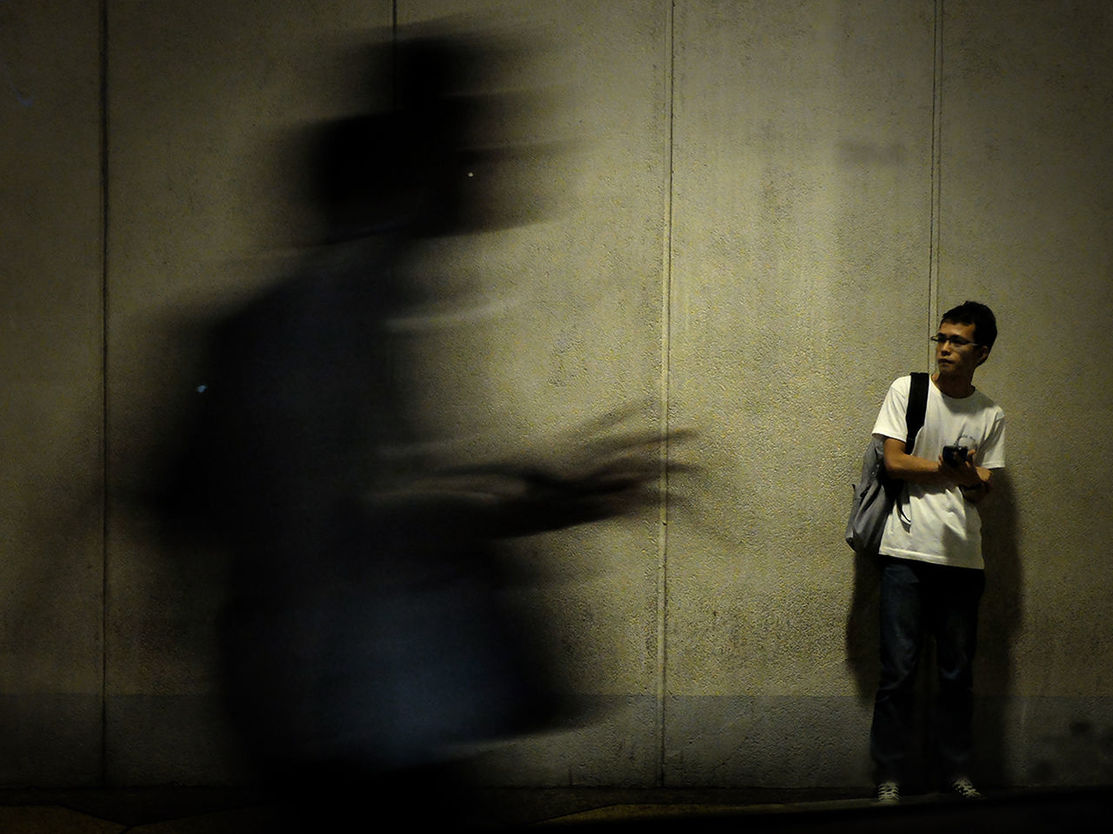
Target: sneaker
(963, 787)
(888, 793)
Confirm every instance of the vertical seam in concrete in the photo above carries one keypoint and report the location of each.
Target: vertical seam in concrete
(394, 53)
(666, 348)
(103, 37)
(936, 151)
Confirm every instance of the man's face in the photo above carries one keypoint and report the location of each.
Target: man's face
(956, 352)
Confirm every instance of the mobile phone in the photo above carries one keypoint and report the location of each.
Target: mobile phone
(955, 455)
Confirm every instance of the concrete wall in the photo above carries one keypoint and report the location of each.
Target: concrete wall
(51, 390)
(759, 212)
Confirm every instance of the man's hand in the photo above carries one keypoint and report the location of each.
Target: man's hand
(972, 479)
(965, 474)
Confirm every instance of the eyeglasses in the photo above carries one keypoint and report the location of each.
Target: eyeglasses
(957, 342)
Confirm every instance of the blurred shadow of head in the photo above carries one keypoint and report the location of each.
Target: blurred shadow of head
(418, 167)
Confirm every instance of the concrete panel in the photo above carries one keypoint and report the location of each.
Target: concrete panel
(51, 471)
(800, 278)
(162, 738)
(618, 747)
(204, 99)
(1026, 213)
(576, 338)
(52, 738)
(767, 740)
(575, 335)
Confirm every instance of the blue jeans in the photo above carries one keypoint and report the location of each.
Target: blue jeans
(919, 598)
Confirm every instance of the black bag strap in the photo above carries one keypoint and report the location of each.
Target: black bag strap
(917, 408)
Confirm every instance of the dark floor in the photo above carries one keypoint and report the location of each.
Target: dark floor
(227, 811)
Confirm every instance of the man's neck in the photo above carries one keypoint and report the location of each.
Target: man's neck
(952, 386)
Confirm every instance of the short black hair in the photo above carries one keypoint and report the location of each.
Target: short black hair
(979, 315)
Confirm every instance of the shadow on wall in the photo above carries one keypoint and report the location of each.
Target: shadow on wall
(862, 635)
(999, 622)
(366, 646)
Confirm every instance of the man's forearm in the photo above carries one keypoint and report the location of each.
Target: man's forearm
(914, 469)
(905, 467)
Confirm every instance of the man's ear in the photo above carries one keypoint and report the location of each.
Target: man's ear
(985, 354)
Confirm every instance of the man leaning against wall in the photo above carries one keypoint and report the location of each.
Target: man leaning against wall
(932, 571)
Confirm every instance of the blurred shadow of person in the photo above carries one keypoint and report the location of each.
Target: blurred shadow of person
(363, 638)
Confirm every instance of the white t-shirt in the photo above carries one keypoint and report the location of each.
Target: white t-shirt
(935, 523)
